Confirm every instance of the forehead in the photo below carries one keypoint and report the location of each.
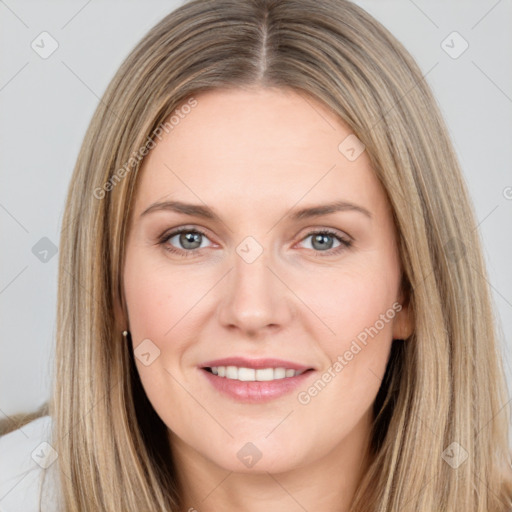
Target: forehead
(255, 148)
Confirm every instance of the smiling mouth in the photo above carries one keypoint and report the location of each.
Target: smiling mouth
(244, 374)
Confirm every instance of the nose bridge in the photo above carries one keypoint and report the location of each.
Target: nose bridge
(254, 297)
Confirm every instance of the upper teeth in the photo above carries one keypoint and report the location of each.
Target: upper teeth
(252, 374)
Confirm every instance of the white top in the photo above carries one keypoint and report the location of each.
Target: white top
(26, 456)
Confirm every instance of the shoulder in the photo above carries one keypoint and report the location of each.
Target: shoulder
(27, 461)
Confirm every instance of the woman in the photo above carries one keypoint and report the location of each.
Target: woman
(271, 289)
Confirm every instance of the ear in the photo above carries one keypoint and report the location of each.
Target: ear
(403, 323)
(120, 316)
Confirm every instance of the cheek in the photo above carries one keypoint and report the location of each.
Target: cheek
(149, 307)
(357, 310)
(158, 299)
(158, 296)
(347, 304)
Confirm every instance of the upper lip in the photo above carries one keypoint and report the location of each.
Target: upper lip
(244, 362)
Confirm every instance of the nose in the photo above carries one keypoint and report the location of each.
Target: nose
(255, 298)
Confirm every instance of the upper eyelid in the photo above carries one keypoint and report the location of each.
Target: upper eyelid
(184, 229)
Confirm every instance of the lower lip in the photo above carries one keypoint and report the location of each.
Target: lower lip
(256, 391)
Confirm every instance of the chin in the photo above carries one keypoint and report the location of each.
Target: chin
(256, 458)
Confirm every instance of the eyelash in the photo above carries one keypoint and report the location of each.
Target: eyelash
(345, 243)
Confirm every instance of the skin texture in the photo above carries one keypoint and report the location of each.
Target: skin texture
(253, 156)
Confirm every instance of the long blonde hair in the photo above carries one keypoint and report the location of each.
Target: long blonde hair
(443, 385)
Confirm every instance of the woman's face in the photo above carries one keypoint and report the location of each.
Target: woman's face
(261, 279)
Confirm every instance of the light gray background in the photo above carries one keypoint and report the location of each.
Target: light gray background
(46, 105)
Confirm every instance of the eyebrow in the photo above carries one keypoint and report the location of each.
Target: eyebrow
(197, 210)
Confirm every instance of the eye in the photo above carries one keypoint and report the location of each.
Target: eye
(188, 241)
(322, 242)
